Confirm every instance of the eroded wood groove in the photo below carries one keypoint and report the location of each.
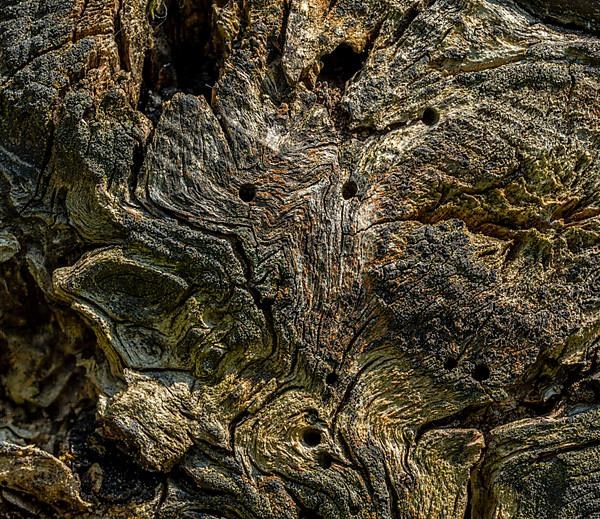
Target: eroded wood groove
(319, 259)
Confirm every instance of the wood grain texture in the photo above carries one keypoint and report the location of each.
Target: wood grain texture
(340, 259)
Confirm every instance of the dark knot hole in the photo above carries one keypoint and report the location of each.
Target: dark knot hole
(311, 437)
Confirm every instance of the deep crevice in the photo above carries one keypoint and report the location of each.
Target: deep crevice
(186, 56)
(120, 40)
(303, 511)
(43, 388)
(275, 82)
(469, 503)
(339, 67)
(393, 494)
(106, 478)
(409, 17)
(553, 12)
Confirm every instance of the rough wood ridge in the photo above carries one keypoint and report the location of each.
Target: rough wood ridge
(300, 259)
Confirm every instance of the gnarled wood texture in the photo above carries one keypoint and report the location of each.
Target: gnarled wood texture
(340, 259)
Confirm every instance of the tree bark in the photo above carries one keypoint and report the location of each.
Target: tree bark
(299, 259)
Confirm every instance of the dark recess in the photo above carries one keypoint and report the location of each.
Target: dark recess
(311, 437)
(331, 378)
(349, 190)
(305, 513)
(26, 316)
(122, 479)
(341, 65)
(186, 54)
(481, 372)
(325, 460)
(450, 363)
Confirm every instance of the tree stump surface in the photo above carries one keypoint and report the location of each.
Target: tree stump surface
(300, 259)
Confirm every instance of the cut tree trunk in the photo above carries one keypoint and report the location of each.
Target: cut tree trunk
(299, 259)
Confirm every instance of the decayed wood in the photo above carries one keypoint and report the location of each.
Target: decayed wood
(340, 258)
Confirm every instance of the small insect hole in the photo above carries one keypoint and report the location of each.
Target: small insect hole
(349, 190)
(450, 363)
(247, 192)
(311, 437)
(430, 116)
(481, 372)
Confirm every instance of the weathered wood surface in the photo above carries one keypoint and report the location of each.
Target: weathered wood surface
(340, 258)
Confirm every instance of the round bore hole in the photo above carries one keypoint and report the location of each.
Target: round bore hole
(481, 372)
(349, 190)
(430, 116)
(331, 378)
(450, 363)
(311, 437)
(247, 192)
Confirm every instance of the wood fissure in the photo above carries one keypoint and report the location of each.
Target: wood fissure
(299, 259)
